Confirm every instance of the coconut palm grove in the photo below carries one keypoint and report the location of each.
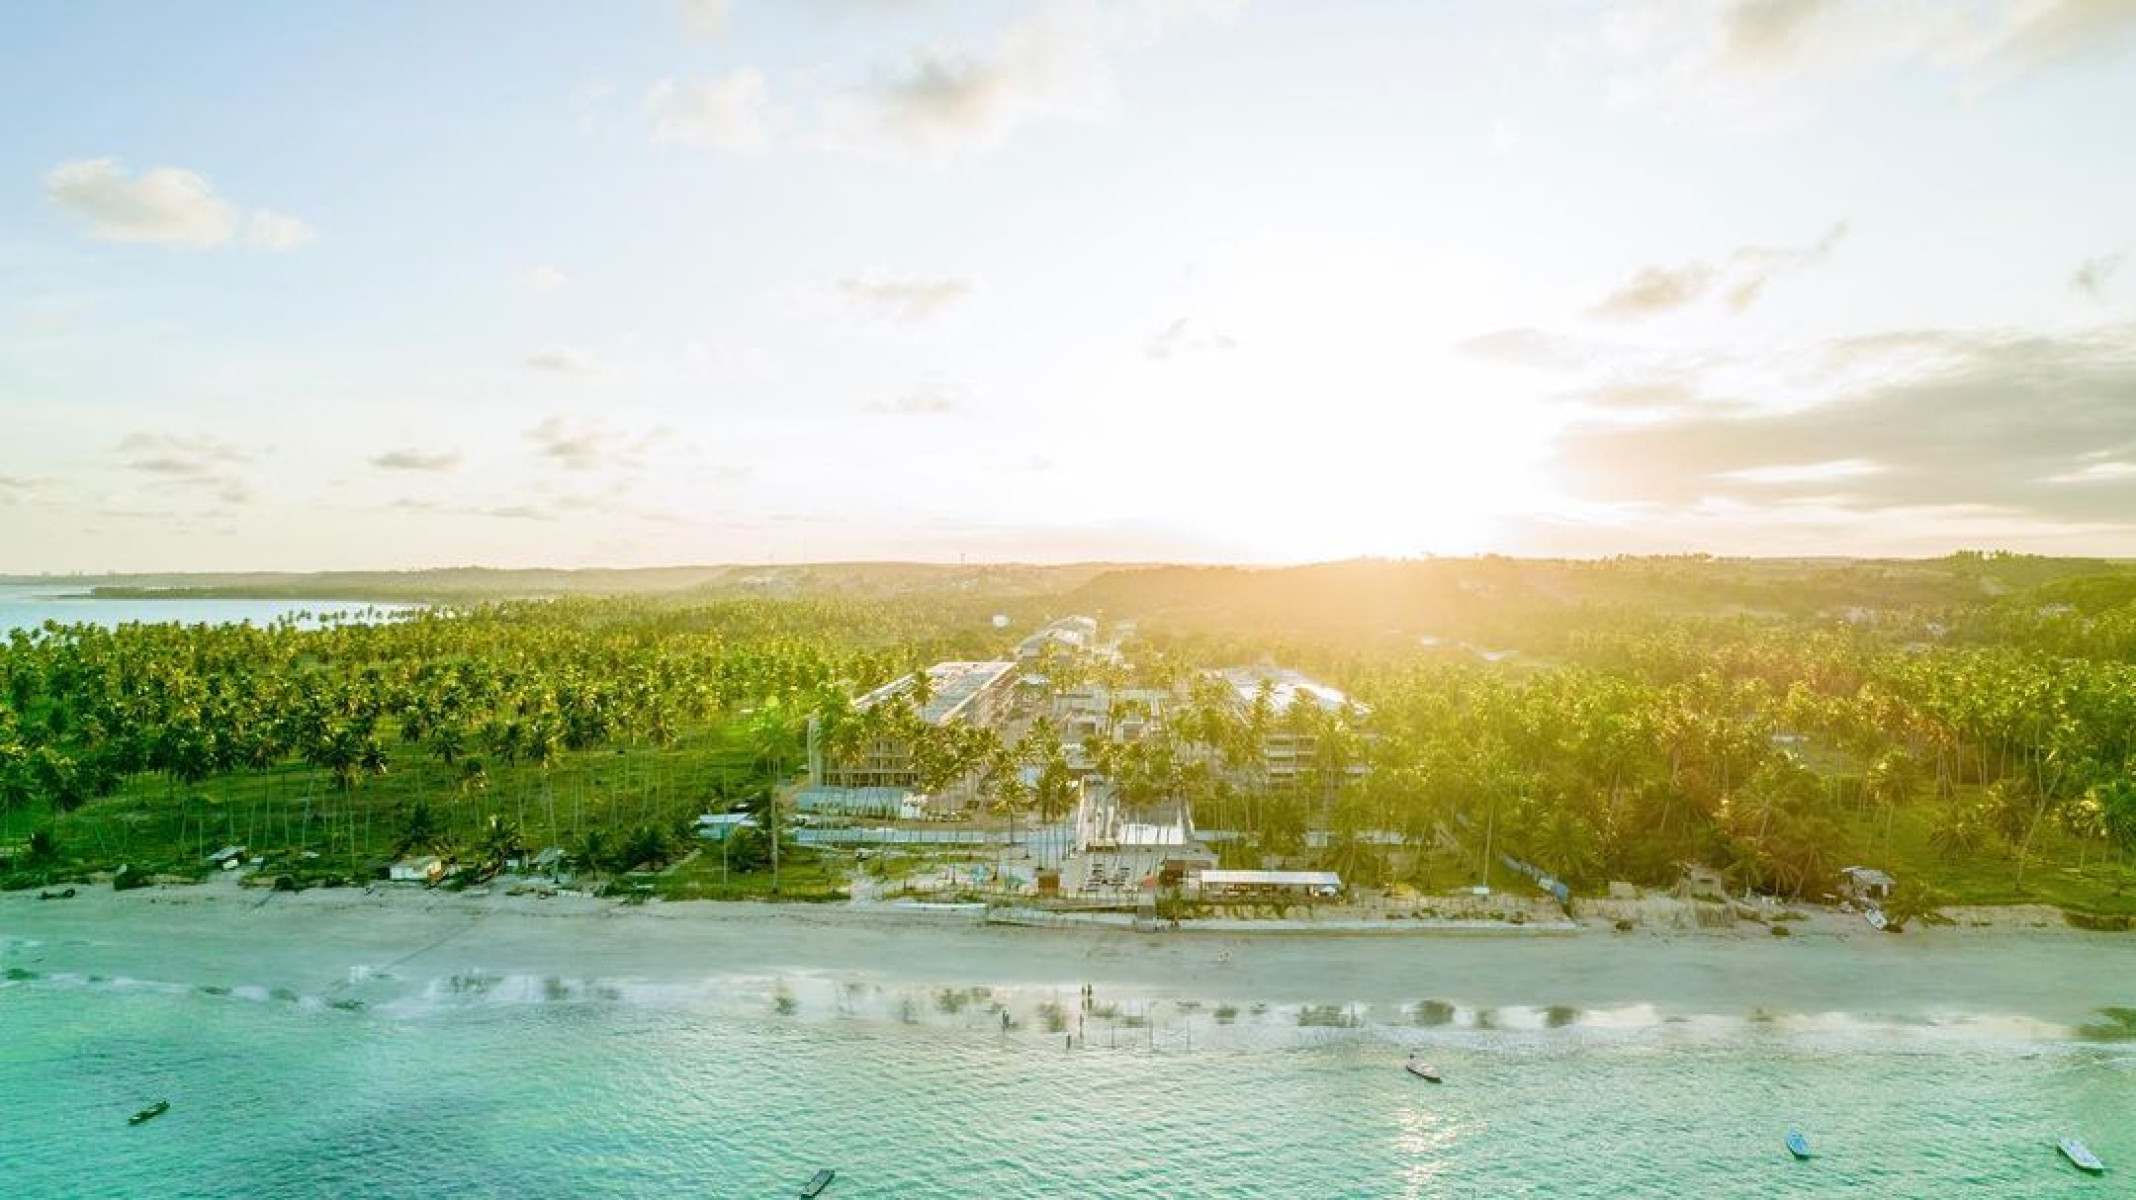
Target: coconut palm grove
(1967, 725)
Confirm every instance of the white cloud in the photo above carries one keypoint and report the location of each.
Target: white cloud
(546, 278)
(727, 113)
(2098, 472)
(944, 99)
(1742, 276)
(1838, 468)
(416, 460)
(165, 205)
(904, 298)
(564, 360)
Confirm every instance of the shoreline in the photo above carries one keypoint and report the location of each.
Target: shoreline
(323, 942)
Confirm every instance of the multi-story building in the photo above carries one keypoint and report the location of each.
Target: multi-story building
(1286, 753)
(969, 693)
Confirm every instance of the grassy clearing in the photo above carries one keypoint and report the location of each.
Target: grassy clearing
(804, 874)
(2054, 875)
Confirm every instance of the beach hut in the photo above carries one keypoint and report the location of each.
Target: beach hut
(1865, 885)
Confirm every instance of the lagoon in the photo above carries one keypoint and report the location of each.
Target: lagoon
(401, 1046)
(27, 606)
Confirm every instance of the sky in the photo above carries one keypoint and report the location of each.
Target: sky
(397, 285)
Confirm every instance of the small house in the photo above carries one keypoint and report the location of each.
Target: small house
(428, 868)
(549, 862)
(1865, 885)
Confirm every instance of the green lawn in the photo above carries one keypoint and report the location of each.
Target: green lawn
(804, 874)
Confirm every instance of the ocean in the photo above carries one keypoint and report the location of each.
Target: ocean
(393, 1065)
(27, 606)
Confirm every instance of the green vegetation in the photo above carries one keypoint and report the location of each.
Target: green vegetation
(1967, 724)
(590, 726)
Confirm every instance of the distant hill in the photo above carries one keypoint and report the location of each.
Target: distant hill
(465, 584)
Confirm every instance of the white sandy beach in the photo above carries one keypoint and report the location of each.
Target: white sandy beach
(313, 942)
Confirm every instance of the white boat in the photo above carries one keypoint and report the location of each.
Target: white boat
(1875, 917)
(1423, 1071)
(2080, 1155)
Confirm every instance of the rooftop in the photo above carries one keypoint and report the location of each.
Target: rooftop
(953, 685)
(1272, 878)
(1285, 687)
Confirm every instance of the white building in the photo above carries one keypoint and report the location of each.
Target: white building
(969, 693)
(1286, 753)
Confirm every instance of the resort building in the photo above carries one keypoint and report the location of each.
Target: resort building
(1122, 848)
(1069, 635)
(957, 693)
(1286, 753)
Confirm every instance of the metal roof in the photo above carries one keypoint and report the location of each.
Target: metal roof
(1285, 687)
(954, 684)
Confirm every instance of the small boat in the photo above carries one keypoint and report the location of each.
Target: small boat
(817, 1182)
(1798, 1145)
(1875, 917)
(1423, 1071)
(150, 1113)
(2081, 1156)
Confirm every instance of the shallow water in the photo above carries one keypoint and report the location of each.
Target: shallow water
(29, 606)
(390, 1080)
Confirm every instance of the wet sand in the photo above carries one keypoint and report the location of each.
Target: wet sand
(314, 942)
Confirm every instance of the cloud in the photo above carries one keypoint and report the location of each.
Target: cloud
(564, 360)
(196, 463)
(1056, 62)
(1183, 336)
(546, 278)
(1740, 279)
(2093, 274)
(1989, 421)
(2098, 472)
(1656, 290)
(927, 400)
(1759, 31)
(178, 455)
(23, 489)
(584, 446)
(1817, 472)
(907, 298)
(1985, 40)
(416, 460)
(1526, 346)
(726, 113)
(943, 100)
(164, 205)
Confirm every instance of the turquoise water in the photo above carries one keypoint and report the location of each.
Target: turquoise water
(395, 1081)
(29, 606)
